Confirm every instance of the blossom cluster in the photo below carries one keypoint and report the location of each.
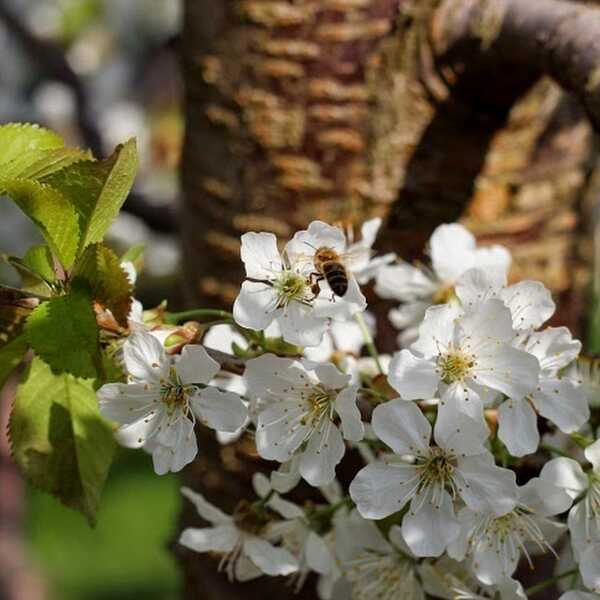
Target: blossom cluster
(473, 445)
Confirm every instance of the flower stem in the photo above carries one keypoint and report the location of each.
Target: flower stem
(368, 341)
(198, 313)
(554, 450)
(548, 582)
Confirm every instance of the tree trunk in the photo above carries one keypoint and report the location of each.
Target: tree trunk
(347, 109)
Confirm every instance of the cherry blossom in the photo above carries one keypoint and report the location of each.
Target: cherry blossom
(157, 410)
(300, 406)
(430, 476)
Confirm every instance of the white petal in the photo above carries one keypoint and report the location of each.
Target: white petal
(476, 286)
(379, 489)
(318, 555)
(300, 325)
(287, 477)
(490, 323)
(554, 347)
(578, 595)
(583, 529)
(145, 358)
(560, 401)
(222, 411)
(318, 235)
(458, 432)
(195, 365)
(222, 337)
(137, 434)
(279, 431)
(429, 528)
(437, 329)
(493, 257)
(452, 248)
(592, 453)
(127, 403)
(205, 509)
(408, 314)
(412, 377)
(566, 473)
(328, 305)
(544, 498)
(345, 406)
(518, 427)
(507, 370)
(255, 305)
(245, 569)
(324, 451)
(488, 487)
(530, 304)
(271, 374)
(174, 458)
(492, 567)
(589, 566)
(403, 282)
(268, 558)
(285, 508)
(222, 538)
(260, 255)
(329, 375)
(402, 426)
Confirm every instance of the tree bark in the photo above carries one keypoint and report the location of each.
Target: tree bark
(421, 112)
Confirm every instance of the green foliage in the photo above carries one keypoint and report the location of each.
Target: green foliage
(51, 212)
(97, 190)
(58, 438)
(101, 268)
(135, 255)
(63, 331)
(11, 355)
(57, 435)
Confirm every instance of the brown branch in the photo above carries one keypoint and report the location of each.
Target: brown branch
(557, 38)
(228, 362)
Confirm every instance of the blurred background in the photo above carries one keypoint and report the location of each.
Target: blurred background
(97, 72)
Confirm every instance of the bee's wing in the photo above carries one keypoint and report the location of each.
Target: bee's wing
(356, 256)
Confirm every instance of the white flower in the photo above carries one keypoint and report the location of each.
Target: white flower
(429, 476)
(246, 552)
(555, 397)
(495, 543)
(464, 357)
(310, 550)
(158, 409)
(453, 251)
(277, 289)
(584, 517)
(374, 566)
(303, 247)
(300, 403)
(579, 595)
(452, 580)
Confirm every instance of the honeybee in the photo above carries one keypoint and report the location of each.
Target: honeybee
(328, 264)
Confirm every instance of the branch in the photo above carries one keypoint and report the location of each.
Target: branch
(557, 38)
(228, 362)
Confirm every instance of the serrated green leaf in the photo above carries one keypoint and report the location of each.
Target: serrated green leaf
(51, 212)
(37, 164)
(18, 139)
(97, 190)
(11, 355)
(101, 268)
(59, 439)
(64, 333)
(39, 259)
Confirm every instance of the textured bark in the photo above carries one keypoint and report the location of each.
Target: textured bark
(421, 112)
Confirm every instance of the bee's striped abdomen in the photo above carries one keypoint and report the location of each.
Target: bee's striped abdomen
(336, 276)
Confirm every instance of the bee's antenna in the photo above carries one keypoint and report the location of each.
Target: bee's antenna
(310, 246)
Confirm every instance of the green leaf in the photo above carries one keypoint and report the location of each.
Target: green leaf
(97, 190)
(63, 331)
(18, 139)
(11, 355)
(101, 269)
(39, 259)
(135, 255)
(37, 164)
(58, 438)
(51, 212)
